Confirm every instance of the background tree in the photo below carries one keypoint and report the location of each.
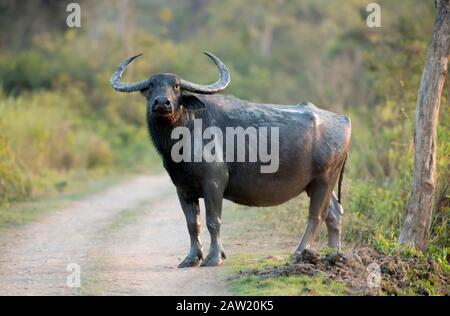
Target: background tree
(420, 205)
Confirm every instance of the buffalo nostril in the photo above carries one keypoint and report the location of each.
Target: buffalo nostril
(161, 101)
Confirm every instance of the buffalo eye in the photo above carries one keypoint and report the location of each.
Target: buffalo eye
(176, 86)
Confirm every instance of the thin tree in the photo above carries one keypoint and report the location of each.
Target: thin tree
(419, 208)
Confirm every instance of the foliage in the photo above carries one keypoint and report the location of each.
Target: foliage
(294, 285)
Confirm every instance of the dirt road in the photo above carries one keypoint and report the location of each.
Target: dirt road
(126, 240)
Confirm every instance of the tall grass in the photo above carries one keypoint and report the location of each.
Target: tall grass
(44, 140)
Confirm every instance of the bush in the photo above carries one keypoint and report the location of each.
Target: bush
(25, 71)
(14, 181)
(44, 138)
(99, 154)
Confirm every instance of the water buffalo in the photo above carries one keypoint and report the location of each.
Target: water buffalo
(312, 146)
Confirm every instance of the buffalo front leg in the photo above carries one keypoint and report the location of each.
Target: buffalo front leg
(191, 211)
(213, 196)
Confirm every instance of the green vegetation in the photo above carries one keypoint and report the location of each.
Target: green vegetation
(241, 261)
(48, 146)
(295, 285)
(403, 272)
(60, 121)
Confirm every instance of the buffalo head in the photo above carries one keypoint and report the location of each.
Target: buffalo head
(166, 93)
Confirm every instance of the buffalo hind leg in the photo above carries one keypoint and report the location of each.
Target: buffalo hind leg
(213, 196)
(334, 223)
(321, 192)
(191, 211)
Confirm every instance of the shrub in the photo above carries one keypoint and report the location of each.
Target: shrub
(14, 181)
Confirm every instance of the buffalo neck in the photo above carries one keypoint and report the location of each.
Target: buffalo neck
(160, 131)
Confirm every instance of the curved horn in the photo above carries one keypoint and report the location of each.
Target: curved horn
(221, 84)
(127, 87)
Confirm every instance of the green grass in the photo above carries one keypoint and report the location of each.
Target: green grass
(412, 290)
(292, 286)
(242, 261)
(279, 285)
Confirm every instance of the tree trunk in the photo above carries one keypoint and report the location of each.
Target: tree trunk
(419, 208)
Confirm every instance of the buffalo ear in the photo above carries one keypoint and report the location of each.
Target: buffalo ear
(192, 102)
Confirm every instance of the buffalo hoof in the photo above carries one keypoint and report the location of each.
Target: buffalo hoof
(214, 258)
(190, 261)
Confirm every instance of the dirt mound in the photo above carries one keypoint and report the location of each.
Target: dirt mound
(365, 271)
